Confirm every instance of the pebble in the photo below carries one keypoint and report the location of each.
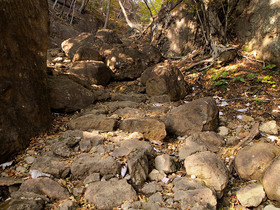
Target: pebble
(269, 127)
(223, 131)
(29, 159)
(20, 169)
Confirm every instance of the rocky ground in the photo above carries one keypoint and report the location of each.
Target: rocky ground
(139, 137)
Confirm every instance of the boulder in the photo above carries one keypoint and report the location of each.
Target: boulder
(269, 127)
(191, 147)
(209, 167)
(92, 121)
(252, 161)
(130, 113)
(196, 116)
(108, 36)
(151, 188)
(45, 186)
(109, 194)
(164, 79)
(93, 72)
(24, 105)
(67, 95)
(87, 53)
(153, 54)
(271, 182)
(257, 28)
(139, 98)
(251, 196)
(152, 129)
(165, 163)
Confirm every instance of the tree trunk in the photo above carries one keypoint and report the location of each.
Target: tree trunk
(147, 5)
(153, 6)
(107, 14)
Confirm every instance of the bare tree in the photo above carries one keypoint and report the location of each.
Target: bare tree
(153, 6)
(147, 5)
(107, 14)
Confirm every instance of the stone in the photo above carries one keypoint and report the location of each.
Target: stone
(92, 178)
(92, 121)
(223, 131)
(10, 181)
(191, 147)
(86, 164)
(252, 161)
(165, 163)
(68, 205)
(185, 184)
(130, 113)
(151, 188)
(269, 127)
(90, 140)
(156, 175)
(21, 170)
(138, 166)
(156, 198)
(61, 148)
(109, 194)
(251, 196)
(108, 36)
(208, 167)
(270, 207)
(127, 146)
(67, 95)
(139, 98)
(87, 53)
(45, 186)
(152, 129)
(93, 72)
(271, 181)
(51, 165)
(203, 198)
(153, 54)
(211, 139)
(24, 204)
(196, 116)
(29, 159)
(24, 105)
(164, 79)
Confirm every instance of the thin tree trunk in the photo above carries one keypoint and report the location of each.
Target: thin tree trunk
(153, 6)
(107, 14)
(147, 5)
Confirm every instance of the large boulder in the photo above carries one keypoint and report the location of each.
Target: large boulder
(94, 72)
(24, 106)
(196, 116)
(67, 95)
(164, 79)
(108, 36)
(257, 28)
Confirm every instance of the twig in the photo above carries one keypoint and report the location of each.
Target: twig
(198, 63)
(252, 59)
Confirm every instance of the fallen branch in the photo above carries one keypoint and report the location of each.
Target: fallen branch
(210, 60)
(252, 59)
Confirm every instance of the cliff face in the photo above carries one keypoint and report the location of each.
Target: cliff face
(24, 106)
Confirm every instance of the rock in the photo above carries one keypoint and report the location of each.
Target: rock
(109, 194)
(152, 129)
(45, 186)
(252, 161)
(138, 166)
(191, 147)
(151, 188)
(108, 36)
(164, 79)
(51, 165)
(68, 205)
(196, 116)
(223, 131)
(24, 108)
(86, 164)
(269, 127)
(29, 159)
(93, 72)
(165, 163)
(153, 55)
(61, 148)
(67, 95)
(208, 167)
(78, 191)
(92, 121)
(92, 178)
(203, 198)
(130, 113)
(10, 181)
(24, 204)
(21, 170)
(126, 62)
(270, 207)
(185, 184)
(211, 139)
(128, 146)
(155, 198)
(87, 53)
(90, 140)
(139, 98)
(251, 195)
(271, 182)
(156, 175)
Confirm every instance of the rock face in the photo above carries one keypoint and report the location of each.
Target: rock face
(109, 194)
(24, 106)
(252, 161)
(196, 116)
(257, 29)
(164, 79)
(67, 95)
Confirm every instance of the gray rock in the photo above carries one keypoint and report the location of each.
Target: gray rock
(191, 147)
(138, 166)
(203, 198)
(151, 188)
(251, 195)
(86, 53)
(92, 121)
(29, 159)
(156, 198)
(271, 182)
(61, 148)
(50, 164)
(212, 140)
(138, 98)
(156, 175)
(252, 161)
(165, 163)
(68, 205)
(196, 116)
(67, 95)
(223, 131)
(130, 113)
(185, 184)
(208, 167)
(109, 194)
(78, 191)
(152, 129)
(86, 164)
(269, 127)
(45, 186)
(130, 145)
(270, 207)
(90, 140)
(92, 178)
